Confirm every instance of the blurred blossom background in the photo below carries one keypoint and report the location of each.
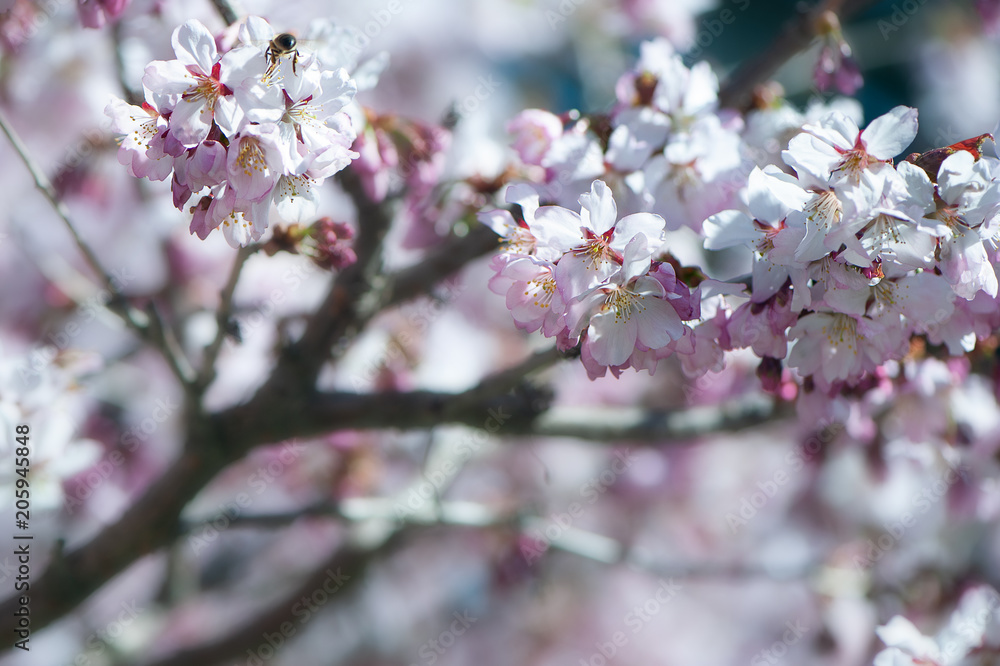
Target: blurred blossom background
(789, 540)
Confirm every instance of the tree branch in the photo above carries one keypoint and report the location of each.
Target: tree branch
(417, 280)
(149, 524)
(611, 424)
(226, 11)
(301, 363)
(207, 373)
(225, 437)
(117, 303)
(798, 34)
(346, 568)
(148, 325)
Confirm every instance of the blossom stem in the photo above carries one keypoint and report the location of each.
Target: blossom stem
(207, 373)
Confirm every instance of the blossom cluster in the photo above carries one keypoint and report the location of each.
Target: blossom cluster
(872, 253)
(665, 148)
(853, 254)
(593, 278)
(238, 131)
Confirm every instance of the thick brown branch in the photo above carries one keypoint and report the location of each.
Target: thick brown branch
(221, 439)
(301, 363)
(153, 521)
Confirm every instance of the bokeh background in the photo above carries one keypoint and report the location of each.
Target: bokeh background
(748, 546)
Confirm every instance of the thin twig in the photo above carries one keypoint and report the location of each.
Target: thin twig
(149, 325)
(797, 35)
(208, 371)
(604, 424)
(117, 303)
(441, 262)
(503, 381)
(226, 11)
(170, 347)
(132, 95)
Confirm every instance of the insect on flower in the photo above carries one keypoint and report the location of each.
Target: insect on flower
(283, 44)
(256, 32)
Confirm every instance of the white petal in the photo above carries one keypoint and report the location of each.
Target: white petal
(890, 134)
(255, 31)
(612, 340)
(525, 196)
(601, 205)
(295, 199)
(194, 45)
(168, 77)
(191, 121)
(728, 229)
(649, 225)
(658, 322)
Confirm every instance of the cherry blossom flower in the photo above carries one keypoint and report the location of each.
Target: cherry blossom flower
(961, 214)
(199, 85)
(534, 131)
(532, 296)
(834, 151)
(835, 67)
(595, 239)
(631, 311)
(773, 233)
(140, 128)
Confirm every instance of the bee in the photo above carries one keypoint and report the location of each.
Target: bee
(282, 45)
